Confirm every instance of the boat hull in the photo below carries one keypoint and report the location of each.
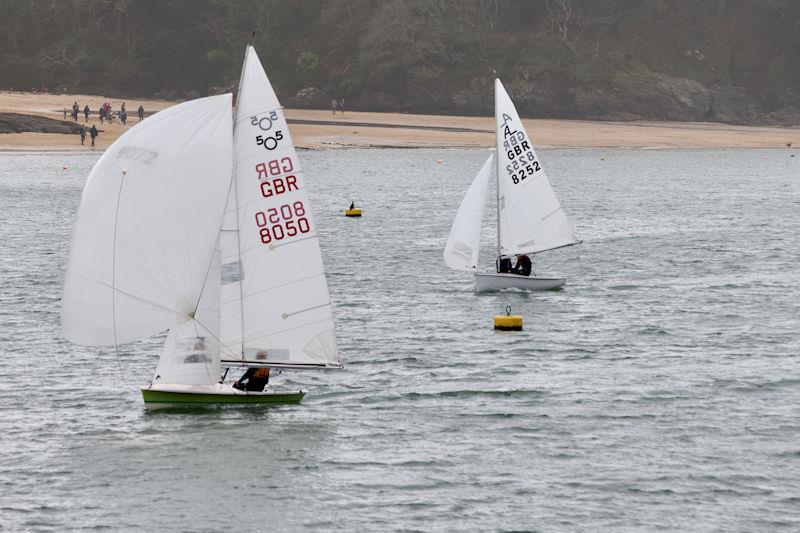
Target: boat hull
(197, 396)
(496, 282)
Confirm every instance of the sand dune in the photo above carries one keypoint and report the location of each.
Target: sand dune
(321, 129)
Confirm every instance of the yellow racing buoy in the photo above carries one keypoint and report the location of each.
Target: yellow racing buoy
(355, 212)
(508, 322)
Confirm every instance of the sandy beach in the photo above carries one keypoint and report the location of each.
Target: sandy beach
(320, 129)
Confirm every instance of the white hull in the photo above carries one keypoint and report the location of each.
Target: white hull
(496, 282)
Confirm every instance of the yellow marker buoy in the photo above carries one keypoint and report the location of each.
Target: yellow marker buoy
(508, 322)
(355, 212)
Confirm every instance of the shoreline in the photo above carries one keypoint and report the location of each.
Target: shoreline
(322, 130)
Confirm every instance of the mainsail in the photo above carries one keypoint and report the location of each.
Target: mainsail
(530, 216)
(276, 310)
(147, 225)
(463, 244)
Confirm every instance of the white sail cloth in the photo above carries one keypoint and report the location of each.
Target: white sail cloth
(463, 243)
(531, 219)
(191, 354)
(276, 308)
(147, 225)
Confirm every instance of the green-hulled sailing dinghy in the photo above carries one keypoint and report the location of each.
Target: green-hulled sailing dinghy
(198, 224)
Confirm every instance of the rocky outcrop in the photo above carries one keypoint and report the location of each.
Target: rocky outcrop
(732, 105)
(787, 116)
(310, 98)
(19, 123)
(376, 101)
(645, 96)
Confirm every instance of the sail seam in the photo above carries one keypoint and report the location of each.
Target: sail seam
(272, 334)
(268, 289)
(114, 279)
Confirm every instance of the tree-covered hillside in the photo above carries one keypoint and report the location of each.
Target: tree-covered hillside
(725, 60)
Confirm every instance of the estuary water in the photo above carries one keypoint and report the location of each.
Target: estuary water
(659, 390)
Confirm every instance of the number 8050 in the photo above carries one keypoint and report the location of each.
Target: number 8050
(279, 222)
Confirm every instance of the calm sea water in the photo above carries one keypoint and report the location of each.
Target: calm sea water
(659, 390)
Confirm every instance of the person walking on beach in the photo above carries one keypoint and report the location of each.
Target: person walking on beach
(65, 113)
(341, 106)
(93, 133)
(86, 112)
(141, 113)
(83, 134)
(75, 109)
(333, 105)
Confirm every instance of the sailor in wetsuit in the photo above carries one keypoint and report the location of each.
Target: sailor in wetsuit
(523, 266)
(256, 378)
(503, 265)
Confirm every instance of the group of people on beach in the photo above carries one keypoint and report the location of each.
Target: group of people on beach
(337, 105)
(92, 133)
(105, 113)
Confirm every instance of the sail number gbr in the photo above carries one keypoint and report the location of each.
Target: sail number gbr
(278, 223)
(522, 160)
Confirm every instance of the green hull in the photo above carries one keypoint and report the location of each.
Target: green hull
(194, 398)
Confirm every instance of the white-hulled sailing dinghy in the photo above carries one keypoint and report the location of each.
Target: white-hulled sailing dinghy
(201, 226)
(529, 217)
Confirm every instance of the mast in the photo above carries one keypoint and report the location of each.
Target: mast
(236, 202)
(497, 173)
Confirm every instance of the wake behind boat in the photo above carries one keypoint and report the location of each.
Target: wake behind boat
(529, 216)
(201, 226)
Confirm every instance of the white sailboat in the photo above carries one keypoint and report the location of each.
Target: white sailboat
(529, 216)
(196, 224)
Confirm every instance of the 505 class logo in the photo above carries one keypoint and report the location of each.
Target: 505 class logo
(270, 142)
(265, 122)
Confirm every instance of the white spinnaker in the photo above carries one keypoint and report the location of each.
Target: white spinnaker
(285, 308)
(531, 219)
(191, 353)
(147, 225)
(463, 243)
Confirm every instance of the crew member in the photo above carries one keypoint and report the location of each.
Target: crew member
(523, 266)
(256, 378)
(503, 265)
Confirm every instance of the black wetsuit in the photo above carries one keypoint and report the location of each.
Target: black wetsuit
(523, 266)
(503, 265)
(257, 379)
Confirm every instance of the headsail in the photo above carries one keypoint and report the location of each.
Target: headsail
(147, 225)
(191, 353)
(281, 313)
(531, 219)
(463, 244)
